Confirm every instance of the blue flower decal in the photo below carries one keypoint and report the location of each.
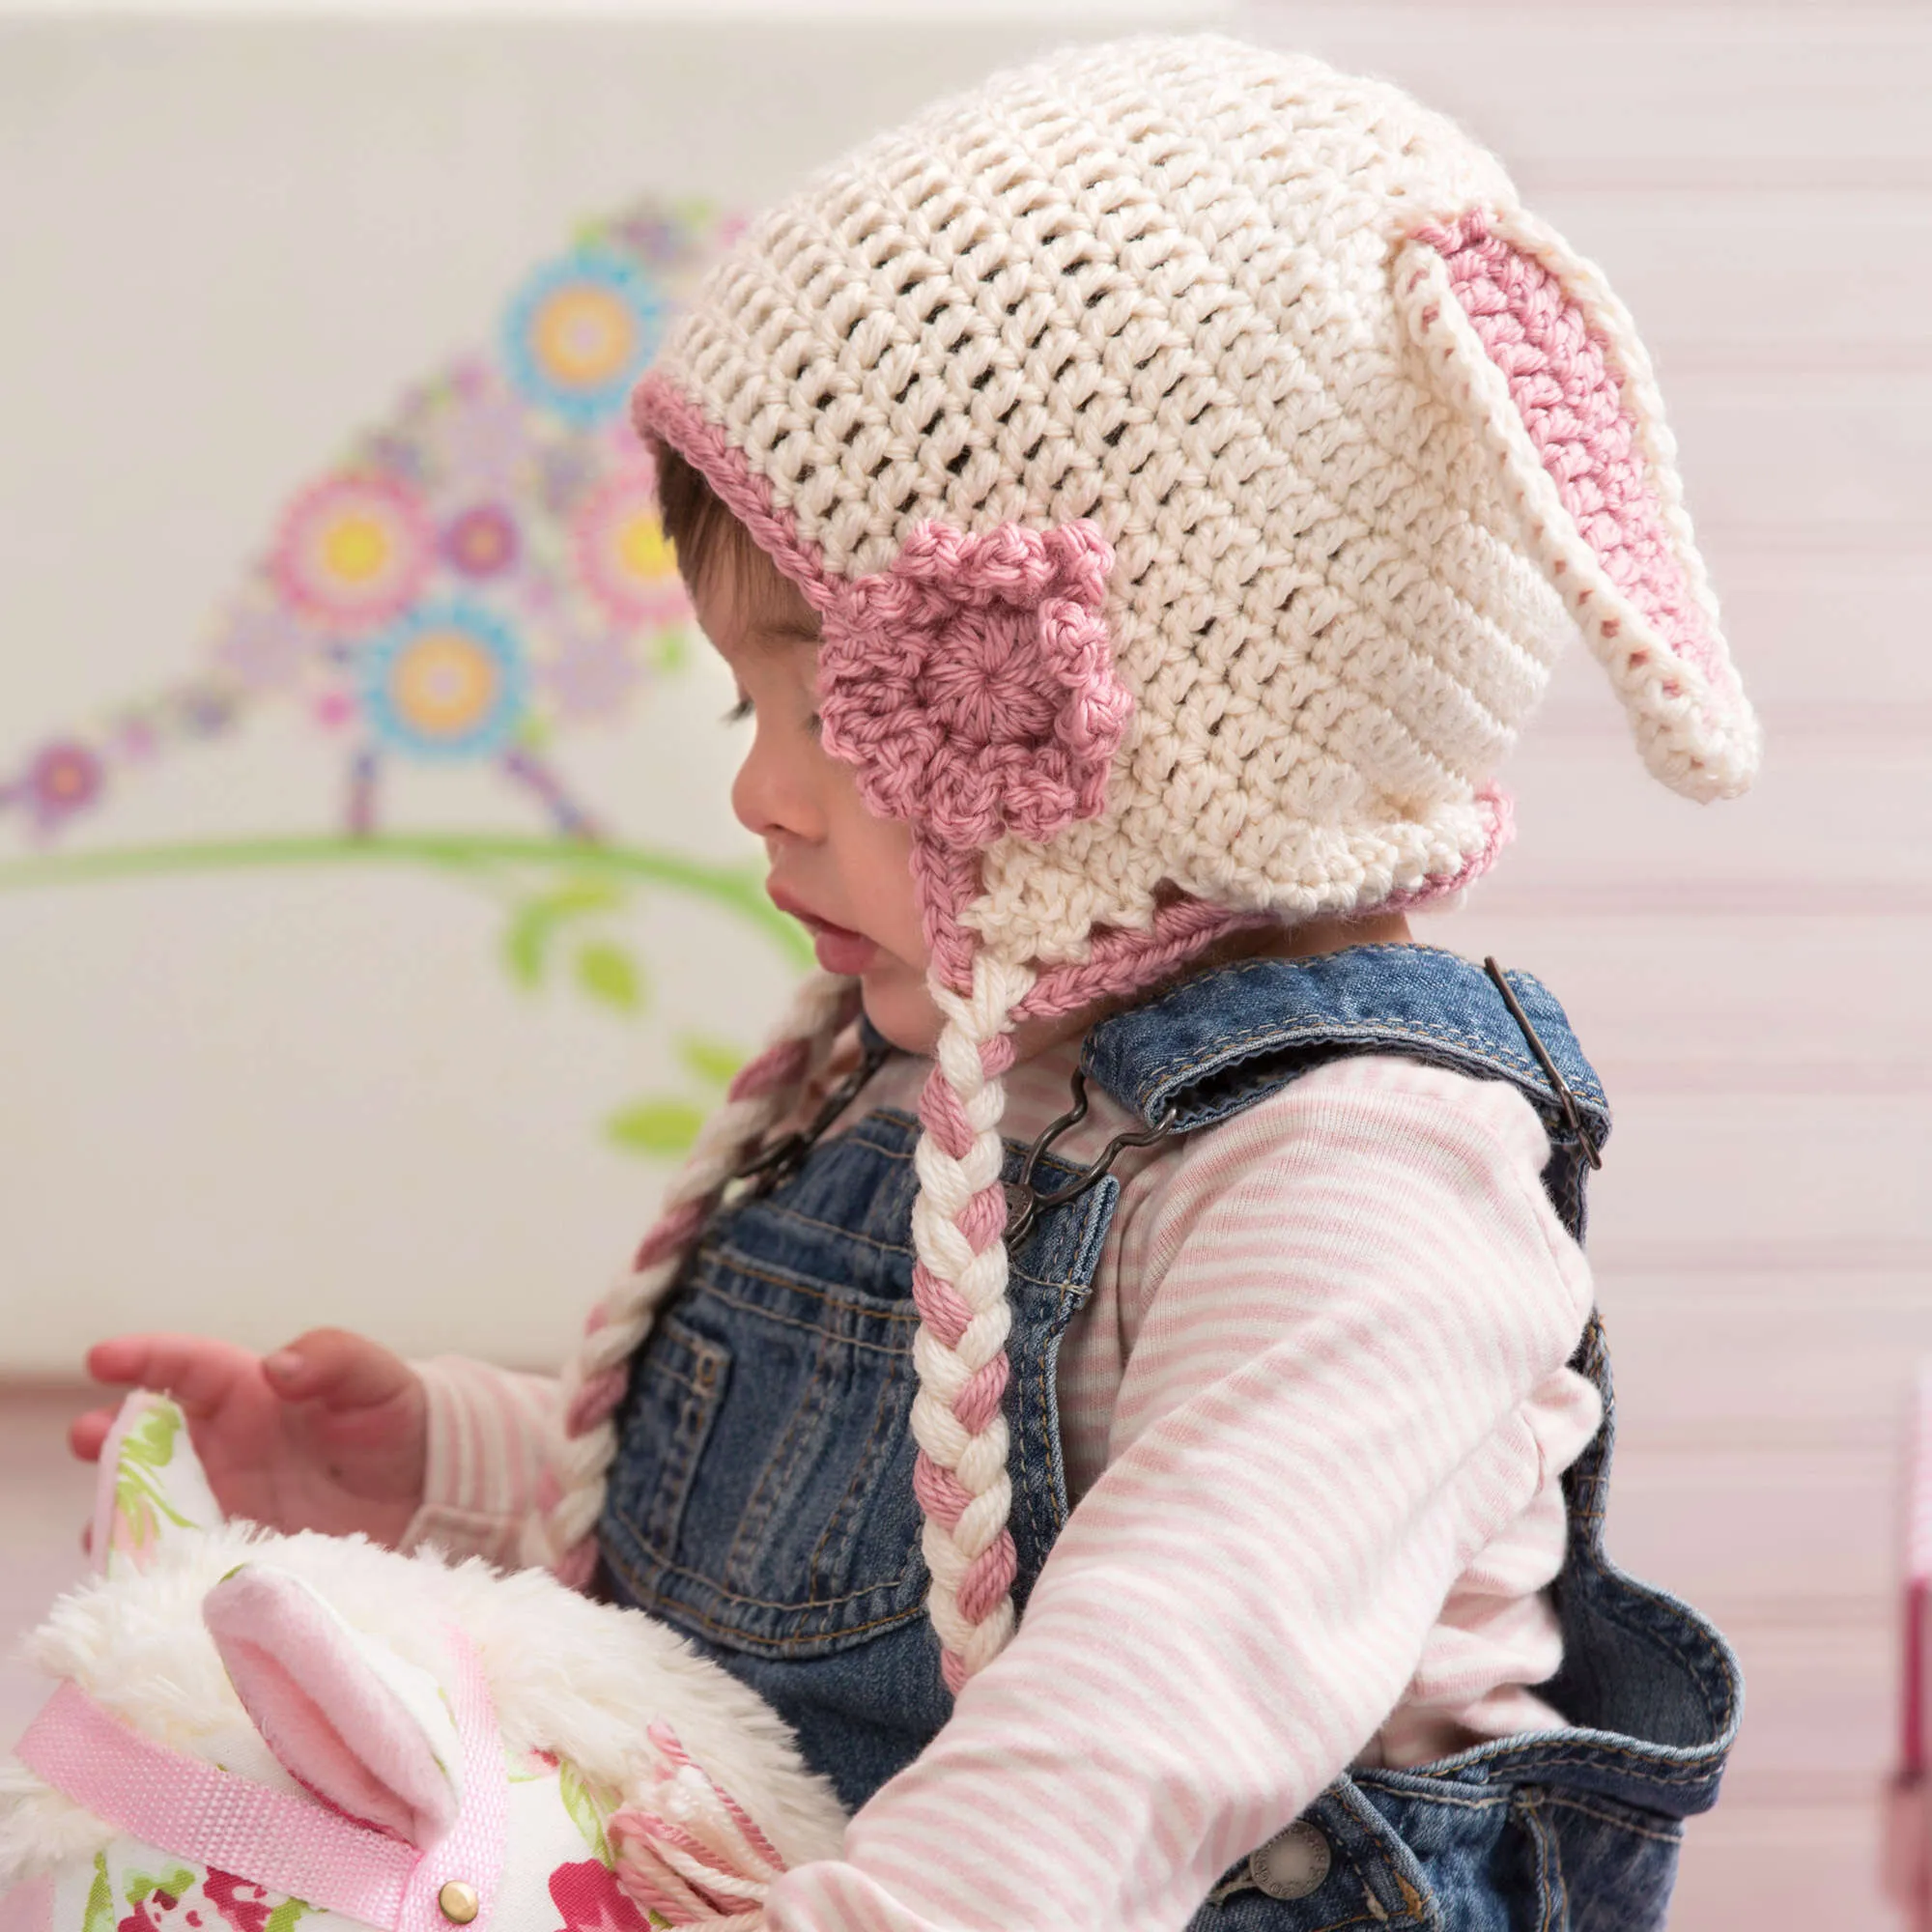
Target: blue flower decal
(451, 681)
(580, 333)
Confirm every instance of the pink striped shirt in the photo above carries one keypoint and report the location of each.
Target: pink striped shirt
(1314, 1416)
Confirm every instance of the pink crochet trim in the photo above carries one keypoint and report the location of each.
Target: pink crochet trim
(1498, 808)
(1570, 399)
(970, 686)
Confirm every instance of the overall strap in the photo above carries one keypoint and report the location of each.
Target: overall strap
(1221, 1043)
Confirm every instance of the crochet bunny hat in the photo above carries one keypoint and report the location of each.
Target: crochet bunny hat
(1196, 459)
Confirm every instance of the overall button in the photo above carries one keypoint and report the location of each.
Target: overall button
(1293, 1864)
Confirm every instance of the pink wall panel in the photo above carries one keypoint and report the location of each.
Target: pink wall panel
(1753, 978)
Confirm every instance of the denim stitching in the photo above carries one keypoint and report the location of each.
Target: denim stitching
(1289, 1031)
(716, 1292)
(1670, 1836)
(676, 1609)
(1525, 1812)
(866, 1468)
(775, 1478)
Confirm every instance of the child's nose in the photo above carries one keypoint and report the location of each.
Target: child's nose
(770, 797)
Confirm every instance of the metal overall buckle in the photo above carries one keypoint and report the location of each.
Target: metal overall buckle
(1573, 1113)
(1024, 1201)
(772, 1166)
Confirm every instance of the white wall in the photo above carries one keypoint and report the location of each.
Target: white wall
(1757, 181)
(257, 1100)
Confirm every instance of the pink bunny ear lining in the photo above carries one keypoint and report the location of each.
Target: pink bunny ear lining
(1572, 404)
(330, 1719)
(1620, 550)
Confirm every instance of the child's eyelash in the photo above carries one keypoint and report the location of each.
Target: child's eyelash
(739, 712)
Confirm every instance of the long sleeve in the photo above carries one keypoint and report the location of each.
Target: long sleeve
(1346, 1397)
(490, 1432)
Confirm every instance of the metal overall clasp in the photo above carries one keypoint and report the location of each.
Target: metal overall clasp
(772, 1166)
(1573, 1113)
(1024, 1201)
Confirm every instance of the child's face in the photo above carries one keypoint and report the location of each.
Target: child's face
(846, 874)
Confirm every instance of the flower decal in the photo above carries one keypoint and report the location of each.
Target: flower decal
(590, 1899)
(266, 647)
(592, 675)
(972, 685)
(481, 541)
(352, 551)
(580, 333)
(62, 780)
(449, 682)
(623, 555)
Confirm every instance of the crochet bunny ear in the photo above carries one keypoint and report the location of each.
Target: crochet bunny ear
(1525, 341)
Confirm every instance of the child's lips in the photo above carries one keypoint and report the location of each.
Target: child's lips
(839, 947)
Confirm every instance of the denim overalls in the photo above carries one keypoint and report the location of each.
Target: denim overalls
(762, 1497)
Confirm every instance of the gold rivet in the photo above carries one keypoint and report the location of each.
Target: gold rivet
(459, 1901)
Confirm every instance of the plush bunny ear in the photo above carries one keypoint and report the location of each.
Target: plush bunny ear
(150, 1492)
(1526, 341)
(343, 1714)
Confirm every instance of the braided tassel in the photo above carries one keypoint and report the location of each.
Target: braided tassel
(765, 1088)
(959, 1286)
(689, 1853)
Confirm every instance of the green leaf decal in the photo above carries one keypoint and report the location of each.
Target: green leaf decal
(285, 1915)
(713, 1060)
(656, 1127)
(608, 974)
(97, 1915)
(147, 1449)
(177, 1883)
(590, 1805)
(527, 942)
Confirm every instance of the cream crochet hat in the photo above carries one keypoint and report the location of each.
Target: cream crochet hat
(1197, 459)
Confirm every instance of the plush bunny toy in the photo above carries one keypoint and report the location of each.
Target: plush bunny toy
(251, 1731)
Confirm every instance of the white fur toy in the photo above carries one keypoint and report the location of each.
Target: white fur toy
(253, 1731)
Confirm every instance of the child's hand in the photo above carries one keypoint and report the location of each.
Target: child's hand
(331, 1433)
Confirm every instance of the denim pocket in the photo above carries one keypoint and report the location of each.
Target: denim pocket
(676, 1385)
(782, 1521)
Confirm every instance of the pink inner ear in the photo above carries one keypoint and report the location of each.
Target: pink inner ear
(29, 1907)
(331, 1723)
(1572, 404)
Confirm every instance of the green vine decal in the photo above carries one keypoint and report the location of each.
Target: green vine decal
(562, 900)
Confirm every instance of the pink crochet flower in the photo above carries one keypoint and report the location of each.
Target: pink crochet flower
(972, 684)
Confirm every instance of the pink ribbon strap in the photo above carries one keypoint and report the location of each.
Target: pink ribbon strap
(284, 1844)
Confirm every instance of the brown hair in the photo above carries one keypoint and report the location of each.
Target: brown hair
(703, 530)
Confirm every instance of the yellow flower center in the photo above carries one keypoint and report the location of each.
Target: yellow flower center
(444, 682)
(355, 546)
(584, 335)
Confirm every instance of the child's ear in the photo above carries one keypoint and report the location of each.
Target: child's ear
(343, 1714)
(150, 1492)
(1527, 343)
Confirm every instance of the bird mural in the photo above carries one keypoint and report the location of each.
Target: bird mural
(471, 581)
(472, 578)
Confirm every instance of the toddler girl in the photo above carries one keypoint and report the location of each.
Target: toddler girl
(1118, 1374)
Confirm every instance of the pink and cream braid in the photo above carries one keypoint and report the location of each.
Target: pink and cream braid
(959, 1286)
(765, 1088)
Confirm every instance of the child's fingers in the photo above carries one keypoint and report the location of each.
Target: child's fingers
(199, 1373)
(337, 1369)
(86, 1433)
